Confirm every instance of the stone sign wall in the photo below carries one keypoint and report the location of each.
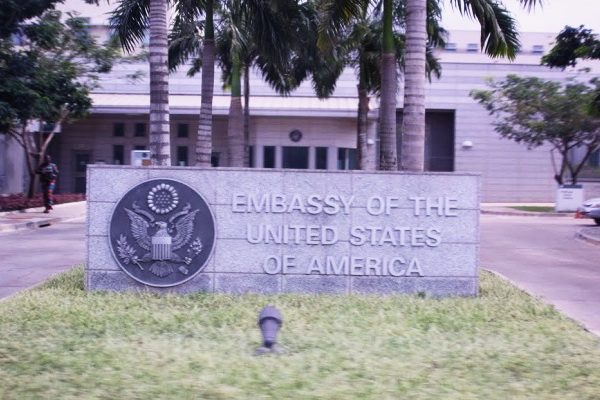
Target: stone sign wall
(271, 231)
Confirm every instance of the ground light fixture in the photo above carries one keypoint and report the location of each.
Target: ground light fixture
(269, 322)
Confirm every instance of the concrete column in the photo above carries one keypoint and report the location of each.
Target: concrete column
(312, 157)
(278, 157)
(332, 153)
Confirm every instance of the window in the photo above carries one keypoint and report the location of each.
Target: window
(214, 159)
(118, 129)
(182, 156)
(538, 49)
(321, 158)
(269, 157)
(295, 157)
(347, 159)
(450, 47)
(594, 160)
(139, 148)
(251, 156)
(140, 129)
(183, 130)
(472, 47)
(118, 154)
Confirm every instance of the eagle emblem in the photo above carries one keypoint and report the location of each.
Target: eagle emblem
(164, 232)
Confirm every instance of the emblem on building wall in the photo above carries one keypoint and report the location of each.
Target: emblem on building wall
(162, 233)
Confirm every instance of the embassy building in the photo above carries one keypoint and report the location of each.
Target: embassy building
(302, 132)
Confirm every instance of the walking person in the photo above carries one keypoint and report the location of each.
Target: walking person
(48, 171)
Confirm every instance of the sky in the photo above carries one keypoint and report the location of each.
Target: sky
(551, 17)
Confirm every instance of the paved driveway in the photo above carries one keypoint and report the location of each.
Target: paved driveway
(542, 256)
(29, 257)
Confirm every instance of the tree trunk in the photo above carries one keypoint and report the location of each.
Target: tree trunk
(247, 114)
(235, 128)
(204, 140)
(413, 121)
(387, 109)
(160, 147)
(361, 128)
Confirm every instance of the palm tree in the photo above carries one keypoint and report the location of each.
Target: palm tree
(498, 37)
(365, 43)
(250, 33)
(131, 19)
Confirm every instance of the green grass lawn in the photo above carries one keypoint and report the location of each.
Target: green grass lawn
(59, 342)
(534, 208)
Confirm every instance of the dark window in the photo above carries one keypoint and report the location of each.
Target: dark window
(251, 156)
(118, 129)
(118, 154)
(295, 157)
(139, 148)
(81, 162)
(538, 49)
(182, 156)
(321, 158)
(347, 159)
(183, 130)
(214, 159)
(140, 129)
(269, 157)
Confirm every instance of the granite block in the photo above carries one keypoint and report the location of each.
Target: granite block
(247, 283)
(315, 284)
(118, 281)
(234, 255)
(98, 218)
(443, 287)
(201, 180)
(230, 182)
(304, 184)
(110, 183)
(232, 225)
(100, 256)
(339, 182)
(383, 285)
(314, 258)
(366, 185)
(466, 188)
(444, 260)
(340, 223)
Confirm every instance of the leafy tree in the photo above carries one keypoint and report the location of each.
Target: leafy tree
(572, 44)
(534, 111)
(46, 78)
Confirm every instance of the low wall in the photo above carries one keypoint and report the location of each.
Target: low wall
(187, 230)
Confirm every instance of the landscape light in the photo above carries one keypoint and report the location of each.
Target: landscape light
(269, 322)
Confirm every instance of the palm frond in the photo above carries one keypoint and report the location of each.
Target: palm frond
(185, 42)
(130, 21)
(499, 36)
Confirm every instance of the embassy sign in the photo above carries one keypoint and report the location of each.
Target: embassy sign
(187, 230)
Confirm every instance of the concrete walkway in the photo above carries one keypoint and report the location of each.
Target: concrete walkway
(32, 218)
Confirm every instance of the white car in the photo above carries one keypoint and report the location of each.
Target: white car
(591, 209)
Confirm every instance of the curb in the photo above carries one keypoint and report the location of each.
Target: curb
(588, 238)
(540, 298)
(517, 213)
(39, 209)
